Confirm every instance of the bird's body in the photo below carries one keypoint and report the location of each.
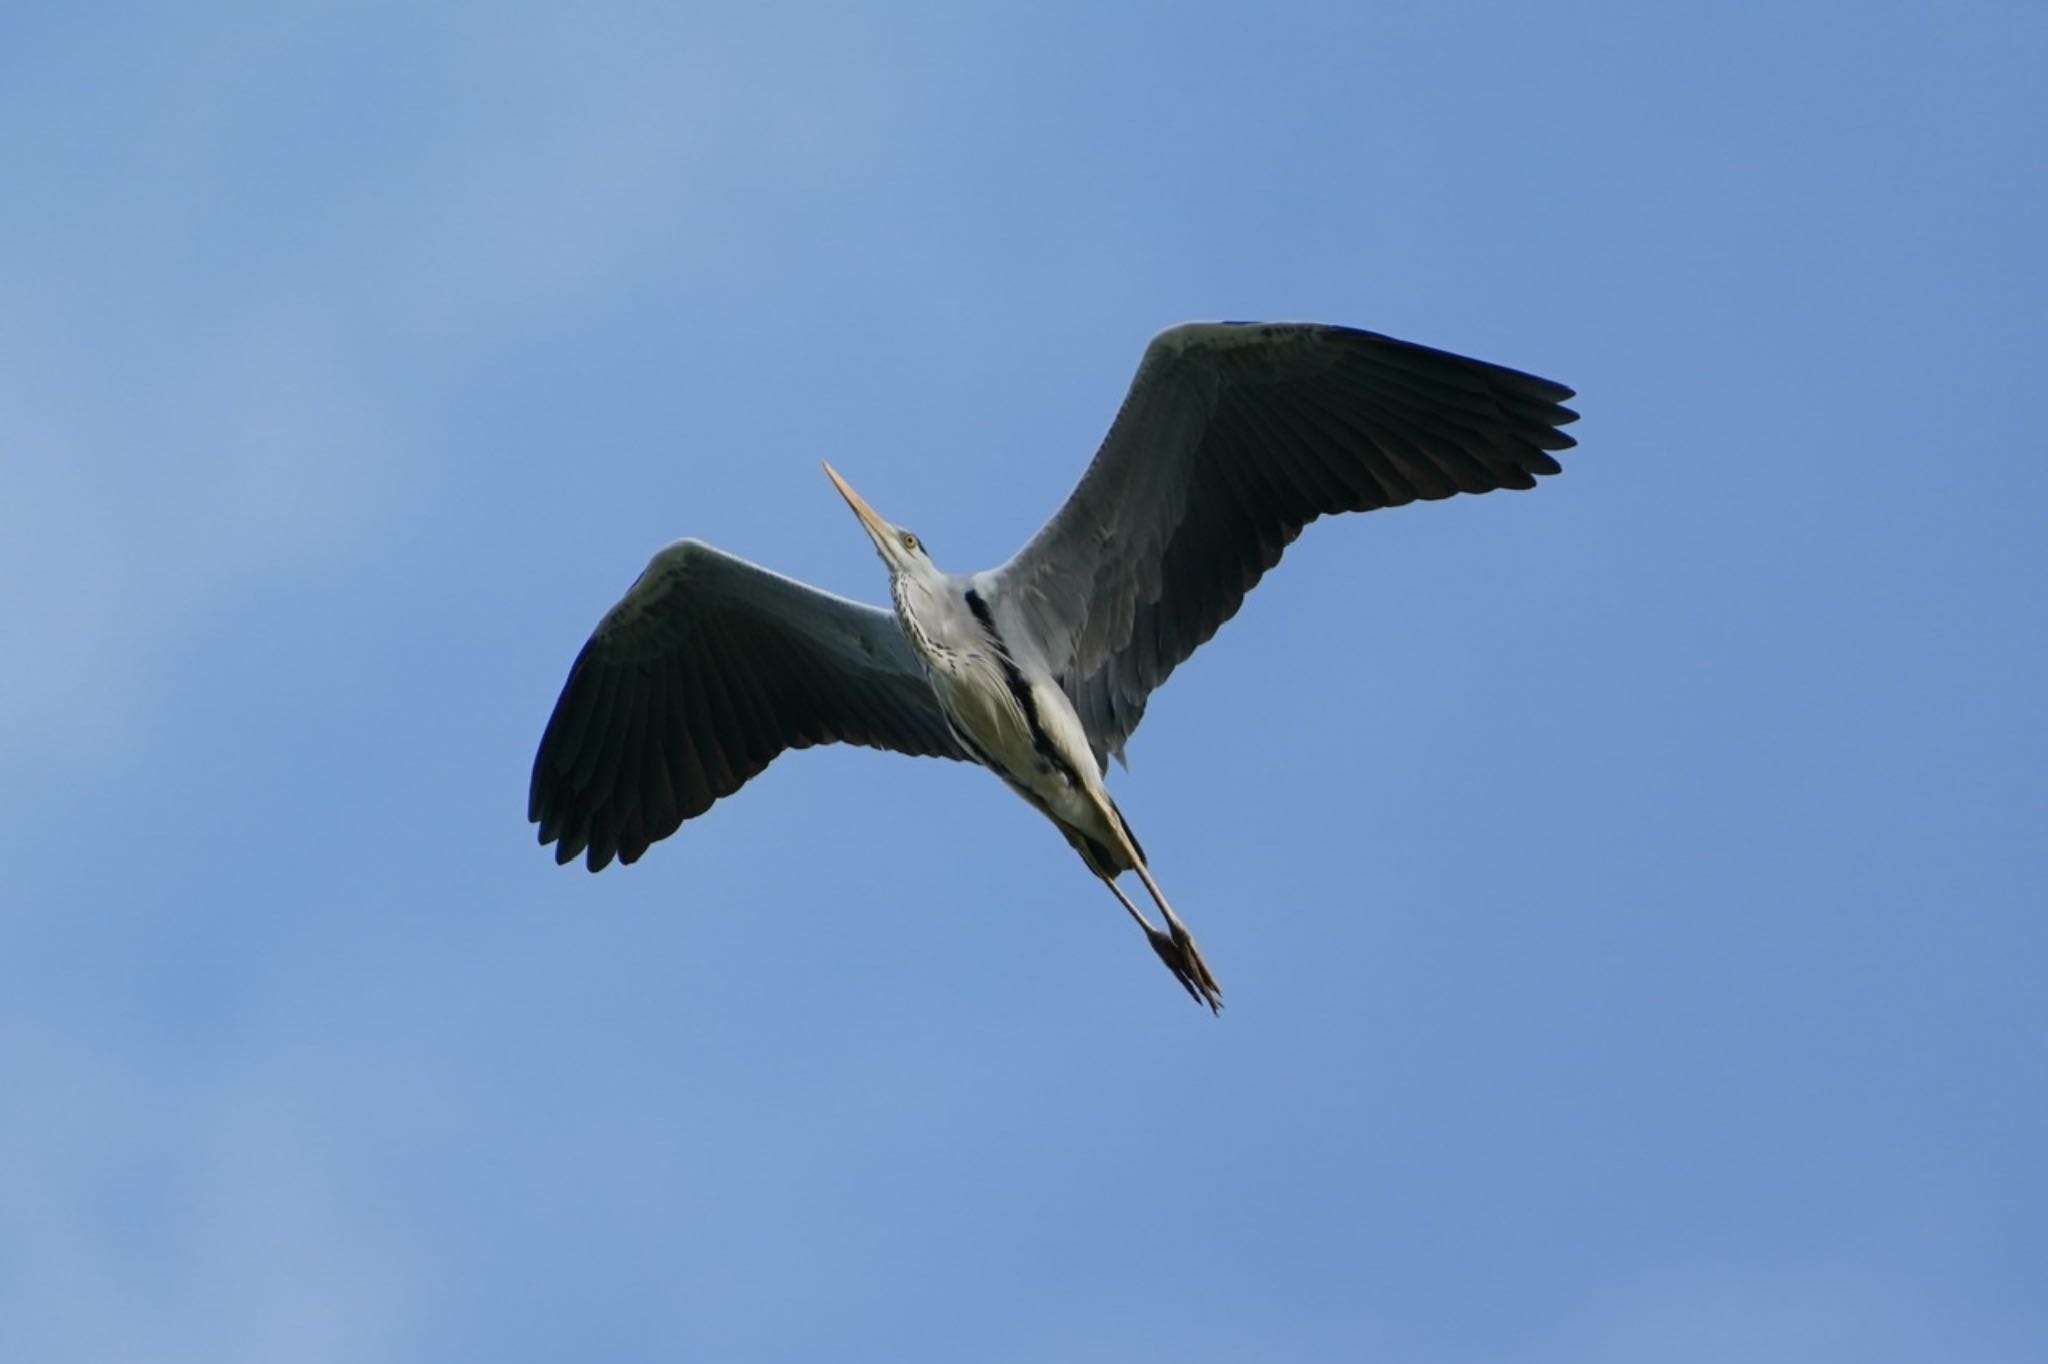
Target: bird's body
(1233, 437)
(1010, 715)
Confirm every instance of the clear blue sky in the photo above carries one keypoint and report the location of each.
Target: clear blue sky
(1630, 894)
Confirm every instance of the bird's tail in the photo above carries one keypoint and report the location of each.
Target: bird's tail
(1112, 859)
(1128, 854)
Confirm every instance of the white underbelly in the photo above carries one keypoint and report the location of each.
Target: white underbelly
(1053, 766)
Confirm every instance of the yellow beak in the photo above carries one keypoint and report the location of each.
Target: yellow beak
(877, 527)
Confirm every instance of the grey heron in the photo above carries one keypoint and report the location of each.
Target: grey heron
(1232, 438)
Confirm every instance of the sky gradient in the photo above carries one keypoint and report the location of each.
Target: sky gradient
(1629, 894)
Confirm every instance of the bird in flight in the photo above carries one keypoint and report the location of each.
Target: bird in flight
(1232, 438)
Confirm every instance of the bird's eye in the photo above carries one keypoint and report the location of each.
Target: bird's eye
(910, 542)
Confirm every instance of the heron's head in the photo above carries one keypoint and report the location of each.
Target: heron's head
(900, 550)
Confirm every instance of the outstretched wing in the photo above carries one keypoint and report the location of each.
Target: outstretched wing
(708, 669)
(1233, 437)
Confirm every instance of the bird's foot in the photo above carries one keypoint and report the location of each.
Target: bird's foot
(1177, 949)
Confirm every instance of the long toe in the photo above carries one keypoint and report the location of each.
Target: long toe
(1169, 953)
(1177, 951)
(1210, 993)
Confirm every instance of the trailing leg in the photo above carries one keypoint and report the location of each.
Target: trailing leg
(1178, 952)
(1176, 947)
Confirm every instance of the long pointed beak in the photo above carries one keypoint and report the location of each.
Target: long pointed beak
(881, 530)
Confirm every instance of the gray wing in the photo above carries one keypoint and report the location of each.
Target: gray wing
(708, 669)
(1233, 437)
